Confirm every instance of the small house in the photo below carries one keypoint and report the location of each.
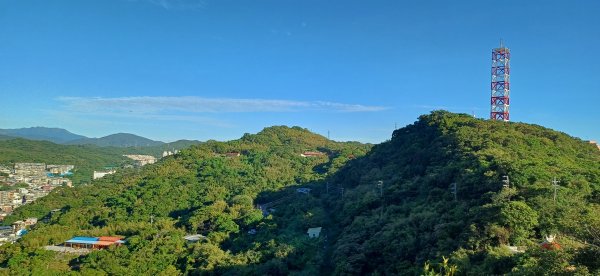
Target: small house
(194, 238)
(312, 154)
(31, 221)
(303, 190)
(314, 232)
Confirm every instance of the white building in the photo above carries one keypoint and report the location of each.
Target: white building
(100, 174)
(141, 160)
(314, 232)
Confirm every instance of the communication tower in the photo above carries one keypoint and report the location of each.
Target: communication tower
(500, 83)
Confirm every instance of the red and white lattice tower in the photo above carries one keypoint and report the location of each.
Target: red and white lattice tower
(500, 83)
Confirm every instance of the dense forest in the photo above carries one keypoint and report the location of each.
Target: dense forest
(429, 201)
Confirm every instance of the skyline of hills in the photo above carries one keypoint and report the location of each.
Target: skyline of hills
(52, 134)
(65, 137)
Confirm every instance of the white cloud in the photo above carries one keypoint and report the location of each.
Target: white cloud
(162, 105)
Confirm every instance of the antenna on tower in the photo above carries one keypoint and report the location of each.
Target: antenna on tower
(500, 100)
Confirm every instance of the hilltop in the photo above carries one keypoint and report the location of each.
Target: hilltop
(383, 209)
(416, 218)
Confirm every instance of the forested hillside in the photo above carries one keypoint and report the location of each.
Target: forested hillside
(384, 210)
(206, 189)
(417, 218)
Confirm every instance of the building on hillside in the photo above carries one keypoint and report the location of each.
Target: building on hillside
(93, 242)
(232, 154)
(60, 169)
(595, 143)
(303, 190)
(31, 221)
(7, 197)
(312, 154)
(29, 169)
(169, 153)
(141, 160)
(194, 238)
(100, 174)
(314, 232)
(5, 169)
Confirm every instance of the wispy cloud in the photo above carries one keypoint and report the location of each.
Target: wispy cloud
(161, 105)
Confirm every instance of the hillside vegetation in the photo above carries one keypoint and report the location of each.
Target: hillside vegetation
(200, 190)
(418, 219)
(385, 210)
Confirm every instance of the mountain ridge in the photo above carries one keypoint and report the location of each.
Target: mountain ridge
(65, 137)
(117, 140)
(56, 135)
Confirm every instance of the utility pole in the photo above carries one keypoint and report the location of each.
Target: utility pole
(506, 181)
(453, 190)
(327, 134)
(380, 184)
(555, 185)
(151, 219)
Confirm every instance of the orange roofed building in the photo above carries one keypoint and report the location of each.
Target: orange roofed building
(93, 242)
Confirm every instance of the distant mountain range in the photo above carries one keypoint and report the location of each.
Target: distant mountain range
(117, 140)
(56, 135)
(65, 137)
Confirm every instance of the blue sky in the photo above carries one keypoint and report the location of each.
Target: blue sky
(204, 69)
